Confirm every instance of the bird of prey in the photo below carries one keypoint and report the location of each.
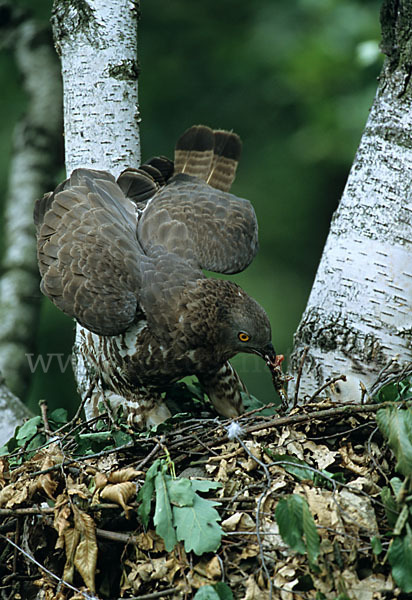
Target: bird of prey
(125, 258)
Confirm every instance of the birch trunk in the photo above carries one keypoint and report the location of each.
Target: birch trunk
(358, 318)
(97, 42)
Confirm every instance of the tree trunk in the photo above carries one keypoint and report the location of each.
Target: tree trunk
(358, 318)
(97, 42)
(35, 158)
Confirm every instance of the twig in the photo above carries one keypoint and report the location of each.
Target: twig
(159, 594)
(325, 385)
(199, 441)
(299, 375)
(43, 409)
(79, 410)
(319, 414)
(249, 413)
(116, 536)
(17, 541)
(259, 502)
(43, 568)
(70, 461)
(151, 454)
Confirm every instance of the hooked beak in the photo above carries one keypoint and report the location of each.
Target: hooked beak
(267, 353)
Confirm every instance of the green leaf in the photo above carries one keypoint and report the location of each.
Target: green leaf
(311, 533)
(121, 438)
(163, 517)
(180, 491)
(400, 558)
(59, 416)
(146, 492)
(219, 591)
(198, 526)
(300, 471)
(396, 426)
(376, 545)
(27, 430)
(206, 592)
(391, 506)
(288, 515)
(38, 440)
(397, 486)
(204, 485)
(223, 590)
(401, 520)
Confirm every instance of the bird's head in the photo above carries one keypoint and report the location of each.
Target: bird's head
(245, 327)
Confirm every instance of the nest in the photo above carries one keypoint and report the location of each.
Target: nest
(71, 522)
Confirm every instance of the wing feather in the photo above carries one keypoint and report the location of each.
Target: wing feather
(215, 230)
(88, 253)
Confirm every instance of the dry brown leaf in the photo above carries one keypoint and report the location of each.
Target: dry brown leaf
(143, 571)
(357, 511)
(145, 541)
(321, 454)
(71, 539)
(256, 451)
(77, 489)
(61, 522)
(351, 461)
(120, 493)
(296, 449)
(45, 480)
(6, 494)
(214, 569)
(365, 589)
(16, 493)
(231, 523)
(210, 570)
(249, 551)
(122, 475)
(323, 506)
(100, 480)
(85, 558)
(4, 472)
(253, 591)
(161, 567)
(173, 566)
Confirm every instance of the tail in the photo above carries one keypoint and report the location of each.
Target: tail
(141, 184)
(211, 155)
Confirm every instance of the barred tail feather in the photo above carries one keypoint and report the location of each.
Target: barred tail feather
(228, 147)
(209, 155)
(194, 152)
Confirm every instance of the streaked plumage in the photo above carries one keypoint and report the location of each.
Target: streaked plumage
(125, 260)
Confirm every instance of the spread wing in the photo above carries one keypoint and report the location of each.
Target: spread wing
(105, 266)
(88, 251)
(191, 218)
(194, 214)
(92, 265)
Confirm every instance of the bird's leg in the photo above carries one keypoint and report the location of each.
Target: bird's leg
(224, 389)
(142, 409)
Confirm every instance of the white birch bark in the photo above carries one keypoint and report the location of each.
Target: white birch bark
(358, 318)
(97, 41)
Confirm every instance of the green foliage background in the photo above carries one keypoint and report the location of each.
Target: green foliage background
(295, 79)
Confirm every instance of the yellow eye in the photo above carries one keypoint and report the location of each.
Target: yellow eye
(244, 337)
